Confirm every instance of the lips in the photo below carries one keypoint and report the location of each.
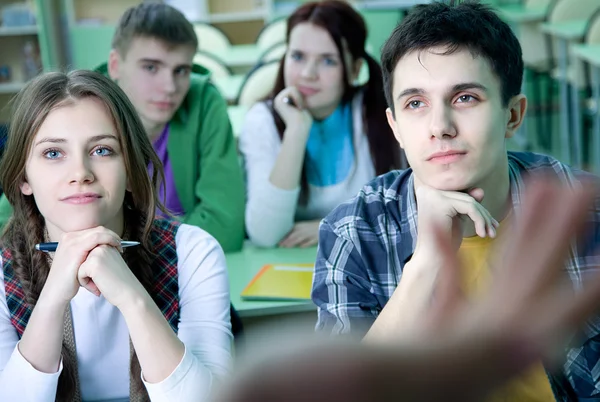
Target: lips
(164, 105)
(307, 91)
(81, 198)
(446, 157)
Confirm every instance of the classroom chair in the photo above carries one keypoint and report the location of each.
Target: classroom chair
(275, 52)
(211, 38)
(537, 64)
(216, 66)
(592, 37)
(589, 107)
(258, 83)
(272, 33)
(572, 73)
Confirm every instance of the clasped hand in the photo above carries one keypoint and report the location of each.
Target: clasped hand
(91, 259)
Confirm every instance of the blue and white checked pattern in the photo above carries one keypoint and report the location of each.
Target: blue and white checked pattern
(365, 242)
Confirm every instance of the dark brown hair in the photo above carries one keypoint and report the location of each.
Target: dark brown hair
(457, 26)
(26, 227)
(346, 26)
(153, 20)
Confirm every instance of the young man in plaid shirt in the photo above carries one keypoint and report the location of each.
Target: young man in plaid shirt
(452, 77)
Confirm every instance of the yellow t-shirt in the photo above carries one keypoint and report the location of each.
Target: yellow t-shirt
(533, 386)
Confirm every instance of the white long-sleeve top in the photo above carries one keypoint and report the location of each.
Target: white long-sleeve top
(272, 211)
(102, 337)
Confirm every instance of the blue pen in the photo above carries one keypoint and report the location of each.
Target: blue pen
(51, 247)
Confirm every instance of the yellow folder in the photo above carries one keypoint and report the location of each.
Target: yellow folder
(281, 282)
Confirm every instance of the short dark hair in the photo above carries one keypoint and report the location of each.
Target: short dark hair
(468, 25)
(153, 20)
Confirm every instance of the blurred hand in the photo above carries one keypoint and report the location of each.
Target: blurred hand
(296, 115)
(303, 234)
(462, 350)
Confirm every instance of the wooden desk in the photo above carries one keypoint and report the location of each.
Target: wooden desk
(591, 55)
(565, 32)
(243, 265)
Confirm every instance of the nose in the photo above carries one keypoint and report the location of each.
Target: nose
(309, 71)
(442, 122)
(81, 171)
(168, 83)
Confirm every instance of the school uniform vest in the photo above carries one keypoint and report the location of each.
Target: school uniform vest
(165, 289)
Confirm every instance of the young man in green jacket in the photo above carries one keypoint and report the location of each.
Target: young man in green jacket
(185, 117)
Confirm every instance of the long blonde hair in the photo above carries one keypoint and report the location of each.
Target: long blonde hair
(26, 227)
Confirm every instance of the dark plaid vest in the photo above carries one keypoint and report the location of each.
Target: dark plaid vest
(166, 285)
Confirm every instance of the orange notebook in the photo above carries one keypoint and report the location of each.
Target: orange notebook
(286, 282)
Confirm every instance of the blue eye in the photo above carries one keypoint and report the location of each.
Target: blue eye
(329, 62)
(414, 104)
(465, 98)
(52, 154)
(103, 151)
(149, 67)
(296, 56)
(182, 72)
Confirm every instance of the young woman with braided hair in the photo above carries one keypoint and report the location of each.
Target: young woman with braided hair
(94, 321)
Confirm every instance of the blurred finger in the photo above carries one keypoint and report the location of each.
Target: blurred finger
(297, 97)
(308, 242)
(572, 311)
(448, 295)
(535, 251)
(289, 239)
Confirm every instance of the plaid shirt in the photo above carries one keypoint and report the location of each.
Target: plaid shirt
(365, 242)
(164, 267)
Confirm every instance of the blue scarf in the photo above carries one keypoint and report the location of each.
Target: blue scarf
(329, 149)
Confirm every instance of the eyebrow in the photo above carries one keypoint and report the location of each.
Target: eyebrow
(160, 63)
(56, 140)
(456, 88)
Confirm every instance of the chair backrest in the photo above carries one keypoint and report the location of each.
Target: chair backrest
(258, 83)
(272, 33)
(536, 54)
(275, 52)
(217, 68)
(536, 3)
(592, 32)
(211, 38)
(568, 10)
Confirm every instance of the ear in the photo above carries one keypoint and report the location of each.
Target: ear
(26, 188)
(517, 106)
(114, 61)
(392, 123)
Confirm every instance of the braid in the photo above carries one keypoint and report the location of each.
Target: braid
(139, 260)
(23, 232)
